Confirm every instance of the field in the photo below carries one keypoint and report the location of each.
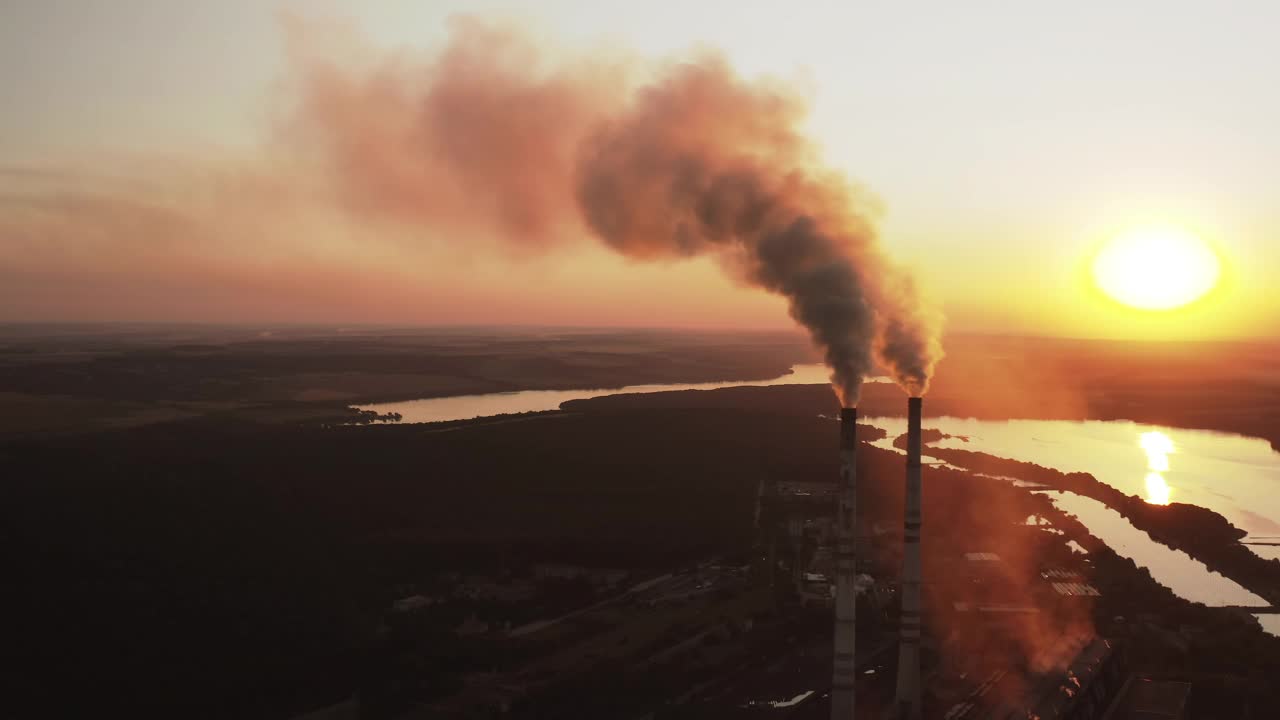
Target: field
(70, 378)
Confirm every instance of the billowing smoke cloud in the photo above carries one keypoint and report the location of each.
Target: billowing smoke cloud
(703, 162)
(483, 137)
(693, 161)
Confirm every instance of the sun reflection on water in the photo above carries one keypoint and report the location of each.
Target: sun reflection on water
(1157, 489)
(1158, 447)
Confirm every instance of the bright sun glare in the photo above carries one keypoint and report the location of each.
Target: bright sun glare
(1158, 268)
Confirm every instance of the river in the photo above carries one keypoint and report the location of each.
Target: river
(1236, 476)
(466, 407)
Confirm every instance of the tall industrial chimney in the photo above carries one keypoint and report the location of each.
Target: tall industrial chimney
(908, 701)
(844, 672)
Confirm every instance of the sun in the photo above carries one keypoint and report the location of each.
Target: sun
(1156, 268)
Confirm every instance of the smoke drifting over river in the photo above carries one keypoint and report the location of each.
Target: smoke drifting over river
(692, 160)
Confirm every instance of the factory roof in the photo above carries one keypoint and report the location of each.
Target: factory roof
(1082, 655)
(996, 608)
(1146, 699)
(1072, 662)
(982, 557)
(801, 488)
(1075, 589)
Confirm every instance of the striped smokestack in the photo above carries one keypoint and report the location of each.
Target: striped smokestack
(843, 673)
(908, 692)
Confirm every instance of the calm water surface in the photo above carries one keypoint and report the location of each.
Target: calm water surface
(1270, 623)
(1268, 552)
(1236, 476)
(466, 407)
(1174, 569)
(1233, 475)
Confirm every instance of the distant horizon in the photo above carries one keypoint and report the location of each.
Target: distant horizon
(992, 153)
(797, 332)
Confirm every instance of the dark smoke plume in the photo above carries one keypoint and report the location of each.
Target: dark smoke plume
(695, 161)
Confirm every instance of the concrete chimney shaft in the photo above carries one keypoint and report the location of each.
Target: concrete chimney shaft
(844, 672)
(908, 695)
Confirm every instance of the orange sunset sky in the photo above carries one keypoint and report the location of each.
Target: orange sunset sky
(153, 167)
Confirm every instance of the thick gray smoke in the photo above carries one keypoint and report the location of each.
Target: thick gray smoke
(695, 162)
(701, 162)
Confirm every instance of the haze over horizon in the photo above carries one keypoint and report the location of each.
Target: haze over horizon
(1004, 146)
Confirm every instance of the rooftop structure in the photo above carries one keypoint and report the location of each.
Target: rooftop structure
(1146, 699)
(1081, 675)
